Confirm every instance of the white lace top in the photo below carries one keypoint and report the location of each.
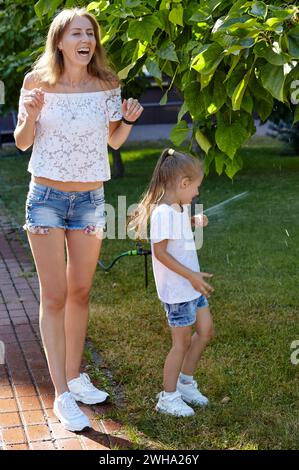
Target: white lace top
(71, 134)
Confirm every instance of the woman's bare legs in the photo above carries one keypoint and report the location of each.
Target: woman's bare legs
(49, 256)
(82, 255)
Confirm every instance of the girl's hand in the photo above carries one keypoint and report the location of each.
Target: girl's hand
(197, 281)
(199, 220)
(131, 109)
(33, 103)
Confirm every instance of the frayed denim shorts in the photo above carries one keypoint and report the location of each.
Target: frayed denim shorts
(47, 207)
(184, 313)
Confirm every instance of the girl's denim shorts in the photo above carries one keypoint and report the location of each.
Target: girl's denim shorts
(184, 313)
(47, 207)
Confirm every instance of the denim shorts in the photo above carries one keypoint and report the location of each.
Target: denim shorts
(47, 207)
(184, 313)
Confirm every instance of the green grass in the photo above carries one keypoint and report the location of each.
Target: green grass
(252, 249)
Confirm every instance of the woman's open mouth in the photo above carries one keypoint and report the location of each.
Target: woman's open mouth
(83, 51)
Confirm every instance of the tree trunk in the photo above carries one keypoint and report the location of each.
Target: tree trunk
(118, 169)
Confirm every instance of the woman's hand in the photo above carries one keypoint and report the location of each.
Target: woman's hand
(199, 220)
(33, 103)
(131, 109)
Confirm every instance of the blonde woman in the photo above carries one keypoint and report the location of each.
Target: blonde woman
(70, 108)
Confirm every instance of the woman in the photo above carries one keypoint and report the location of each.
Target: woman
(70, 108)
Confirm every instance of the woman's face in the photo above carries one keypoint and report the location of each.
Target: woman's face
(78, 42)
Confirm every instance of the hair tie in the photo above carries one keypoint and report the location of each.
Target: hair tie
(171, 151)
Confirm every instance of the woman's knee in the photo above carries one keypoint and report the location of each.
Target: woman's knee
(80, 293)
(53, 300)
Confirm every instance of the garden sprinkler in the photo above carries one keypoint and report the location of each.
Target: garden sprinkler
(140, 251)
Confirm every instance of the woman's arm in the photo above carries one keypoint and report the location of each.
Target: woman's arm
(119, 131)
(25, 130)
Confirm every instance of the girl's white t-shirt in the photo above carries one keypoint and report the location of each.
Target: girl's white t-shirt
(71, 134)
(168, 223)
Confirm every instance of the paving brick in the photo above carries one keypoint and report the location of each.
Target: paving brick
(6, 392)
(10, 420)
(29, 403)
(7, 405)
(17, 447)
(69, 444)
(38, 432)
(13, 436)
(43, 445)
(33, 417)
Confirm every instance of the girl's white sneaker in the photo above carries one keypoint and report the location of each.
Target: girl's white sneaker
(191, 394)
(69, 413)
(83, 390)
(173, 405)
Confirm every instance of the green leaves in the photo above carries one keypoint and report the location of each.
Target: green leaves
(259, 9)
(143, 28)
(293, 40)
(230, 135)
(273, 78)
(208, 59)
(239, 92)
(167, 51)
(176, 15)
(272, 53)
(179, 133)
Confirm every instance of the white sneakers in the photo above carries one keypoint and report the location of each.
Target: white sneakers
(83, 390)
(69, 413)
(174, 403)
(66, 408)
(191, 394)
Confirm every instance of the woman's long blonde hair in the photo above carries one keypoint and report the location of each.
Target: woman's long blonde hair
(50, 65)
(170, 166)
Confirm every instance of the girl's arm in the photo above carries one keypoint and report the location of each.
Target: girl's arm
(196, 278)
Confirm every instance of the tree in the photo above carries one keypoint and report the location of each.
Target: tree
(227, 59)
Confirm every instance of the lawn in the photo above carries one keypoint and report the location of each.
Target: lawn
(251, 247)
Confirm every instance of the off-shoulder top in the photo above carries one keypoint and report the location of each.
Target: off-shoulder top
(71, 134)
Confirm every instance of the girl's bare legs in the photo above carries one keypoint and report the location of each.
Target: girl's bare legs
(203, 334)
(82, 255)
(49, 257)
(181, 339)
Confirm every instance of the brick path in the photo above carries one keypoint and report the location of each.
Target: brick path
(26, 392)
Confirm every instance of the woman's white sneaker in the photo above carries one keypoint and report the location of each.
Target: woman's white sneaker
(191, 394)
(69, 413)
(83, 390)
(173, 405)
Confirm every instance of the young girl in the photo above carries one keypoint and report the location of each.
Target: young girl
(180, 284)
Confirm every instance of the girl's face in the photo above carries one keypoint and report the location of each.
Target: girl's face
(78, 42)
(189, 189)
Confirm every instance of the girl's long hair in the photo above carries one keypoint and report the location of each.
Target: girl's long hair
(50, 65)
(170, 166)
